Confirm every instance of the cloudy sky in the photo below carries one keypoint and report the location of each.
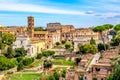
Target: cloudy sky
(80, 13)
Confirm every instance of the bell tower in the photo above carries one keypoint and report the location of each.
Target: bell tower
(31, 26)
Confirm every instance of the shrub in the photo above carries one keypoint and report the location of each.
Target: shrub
(88, 48)
(52, 77)
(101, 46)
(2, 45)
(94, 79)
(28, 61)
(81, 77)
(20, 66)
(6, 64)
(57, 43)
(47, 64)
(63, 42)
(67, 46)
(20, 52)
(77, 60)
(39, 56)
(56, 75)
(9, 52)
(64, 73)
(19, 59)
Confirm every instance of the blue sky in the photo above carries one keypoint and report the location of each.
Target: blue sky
(80, 13)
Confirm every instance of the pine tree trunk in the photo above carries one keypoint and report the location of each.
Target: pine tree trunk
(101, 34)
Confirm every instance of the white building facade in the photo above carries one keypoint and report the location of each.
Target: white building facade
(24, 41)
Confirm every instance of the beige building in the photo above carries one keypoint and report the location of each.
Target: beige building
(83, 36)
(53, 26)
(13, 29)
(50, 37)
(67, 28)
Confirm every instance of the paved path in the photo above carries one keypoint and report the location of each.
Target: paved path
(94, 60)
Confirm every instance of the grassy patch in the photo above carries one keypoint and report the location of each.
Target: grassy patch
(30, 71)
(35, 64)
(24, 77)
(63, 62)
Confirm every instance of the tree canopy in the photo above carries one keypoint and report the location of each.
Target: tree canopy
(117, 27)
(116, 70)
(20, 52)
(9, 53)
(92, 41)
(6, 64)
(39, 29)
(47, 64)
(88, 48)
(8, 38)
(108, 26)
(99, 29)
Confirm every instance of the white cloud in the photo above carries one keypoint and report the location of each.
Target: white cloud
(108, 15)
(36, 8)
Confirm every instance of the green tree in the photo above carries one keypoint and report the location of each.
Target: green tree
(52, 78)
(64, 73)
(56, 75)
(114, 42)
(81, 77)
(39, 56)
(1, 45)
(94, 79)
(63, 42)
(28, 61)
(101, 46)
(10, 53)
(57, 43)
(67, 46)
(6, 63)
(117, 37)
(48, 53)
(88, 48)
(8, 38)
(116, 70)
(20, 66)
(81, 48)
(100, 29)
(108, 26)
(19, 59)
(39, 29)
(20, 52)
(117, 27)
(47, 64)
(92, 41)
(77, 60)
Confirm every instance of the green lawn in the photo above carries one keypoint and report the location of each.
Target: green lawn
(63, 62)
(30, 71)
(24, 77)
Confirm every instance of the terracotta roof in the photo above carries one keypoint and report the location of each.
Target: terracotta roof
(40, 32)
(36, 40)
